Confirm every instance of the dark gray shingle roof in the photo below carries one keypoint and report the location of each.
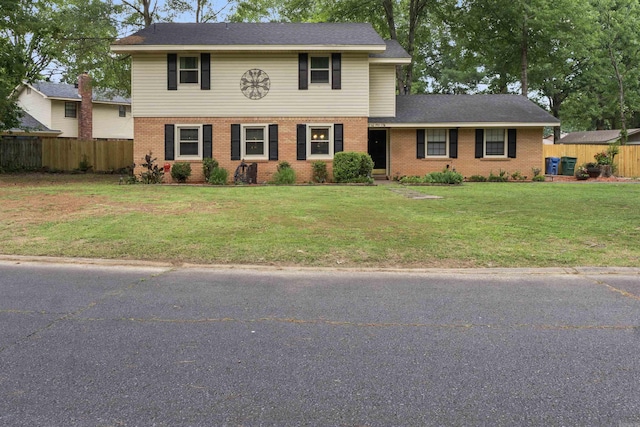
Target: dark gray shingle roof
(29, 124)
(242, 33)
(68, 91)
(394, 50)
(595, 136)
(467, 109)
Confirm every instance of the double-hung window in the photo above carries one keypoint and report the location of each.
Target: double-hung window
(319, 69)
(189, 69)
(437, 143)
(494, 143)
(320, 141)
(71, 109)
(122, 111)
(188, 142)
(254, 142)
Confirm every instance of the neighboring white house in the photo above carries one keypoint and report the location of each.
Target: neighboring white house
(61, 107)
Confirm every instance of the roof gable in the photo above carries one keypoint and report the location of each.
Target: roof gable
(238, 34)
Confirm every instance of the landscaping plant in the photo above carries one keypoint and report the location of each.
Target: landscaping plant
(181, 171)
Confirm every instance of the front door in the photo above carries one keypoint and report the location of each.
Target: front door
(377, 149)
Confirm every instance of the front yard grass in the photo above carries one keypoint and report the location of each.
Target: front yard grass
(473, 225)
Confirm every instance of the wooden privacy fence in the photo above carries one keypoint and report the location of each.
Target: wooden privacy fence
(67, 153)
(628, 160)
(20, 153)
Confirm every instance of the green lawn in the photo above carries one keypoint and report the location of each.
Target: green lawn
(473, 225)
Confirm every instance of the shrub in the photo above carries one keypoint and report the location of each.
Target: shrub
(411, 180)
(538, 178)
(501, 177)
(477, 178)
(153, 173)
(285, 174)
(517, 176)
(218, 176)
(352, 167)
(181, 171)
(447, 176)
(208, 165)
(319, 171)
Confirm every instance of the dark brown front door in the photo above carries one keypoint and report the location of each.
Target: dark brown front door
(377, 149)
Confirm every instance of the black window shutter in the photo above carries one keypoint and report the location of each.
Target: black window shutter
(207, 141)
(301, 142)
(205, 71)
(235, 142)
(338, 138)
(273, 142)
(453, 143)
(303, 71)
(172, 71)
(420, 143)
(336, 73)
(169, 146)
(511, 141)
(479, 143)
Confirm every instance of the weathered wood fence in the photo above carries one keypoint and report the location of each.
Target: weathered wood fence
(65, 154)
(627, 161)
(20, 153)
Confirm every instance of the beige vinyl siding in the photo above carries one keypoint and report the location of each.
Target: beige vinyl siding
(68, 125)
(150, 97)
(36, 105)
(108, 124)
(382, 90)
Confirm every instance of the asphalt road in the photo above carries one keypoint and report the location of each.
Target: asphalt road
(84, 345)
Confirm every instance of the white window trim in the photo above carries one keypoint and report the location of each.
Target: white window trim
(189, 69)
(243, 141)
(446, 145)
(331, 141)
(177, 141)
(328, 82)
(495, 156)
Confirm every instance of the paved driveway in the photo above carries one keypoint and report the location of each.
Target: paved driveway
(85, 345)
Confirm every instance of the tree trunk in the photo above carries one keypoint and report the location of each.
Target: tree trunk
(623, 120)
(524, 83)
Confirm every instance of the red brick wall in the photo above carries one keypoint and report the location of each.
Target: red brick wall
(85, 113)
(149, 136)
(404, 162)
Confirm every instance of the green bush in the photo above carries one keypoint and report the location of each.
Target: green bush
(538, 178)
(152, 174)
(181, 171)
(447, 176)
(218, 176)
(477, 178)
(352, 167)
(208, 165)
(284, 175)
(411, 180)
(501, 177)
(319, 171)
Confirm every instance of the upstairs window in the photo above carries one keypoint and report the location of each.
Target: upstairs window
(188, 69)
(122, 111)
(319, 69)
(70, 109)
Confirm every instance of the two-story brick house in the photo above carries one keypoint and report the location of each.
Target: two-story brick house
(300, 92)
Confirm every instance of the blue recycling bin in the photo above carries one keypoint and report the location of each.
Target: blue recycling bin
(551, 165)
